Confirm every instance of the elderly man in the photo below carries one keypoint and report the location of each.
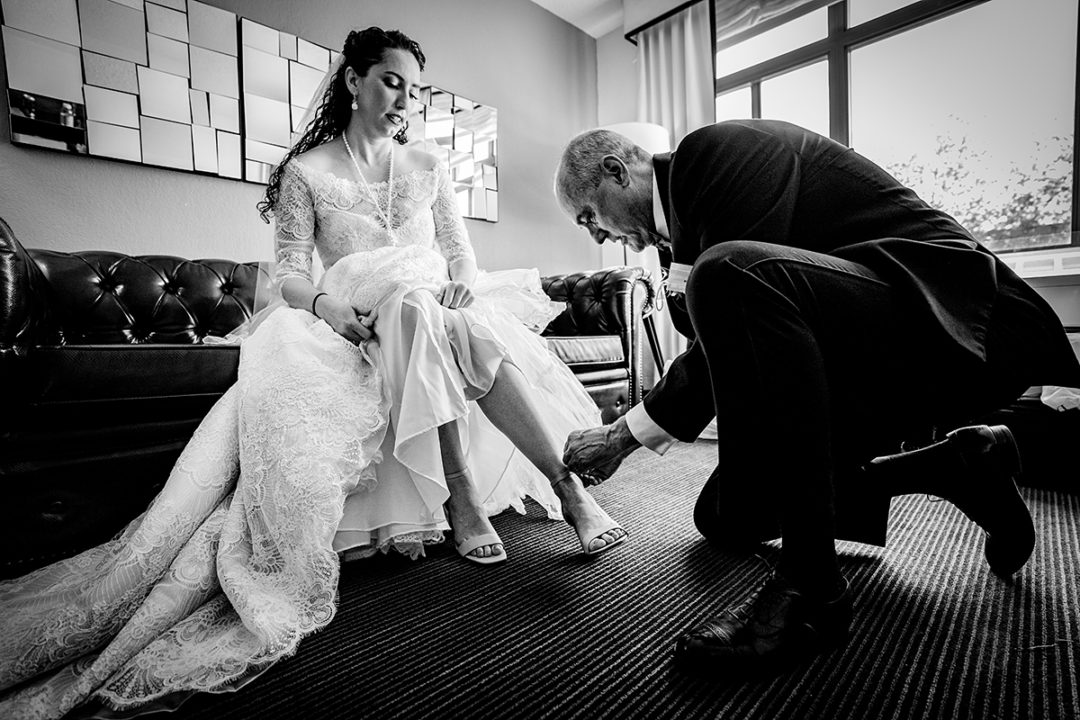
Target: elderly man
(833, 315)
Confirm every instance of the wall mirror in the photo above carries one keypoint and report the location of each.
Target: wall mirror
(184, 85)
(463, 135)
(145, 81)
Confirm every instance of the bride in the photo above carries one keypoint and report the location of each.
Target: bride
(352, 428)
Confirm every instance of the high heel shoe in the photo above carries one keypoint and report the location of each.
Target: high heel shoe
(591, 532)
(466, 547)
(477, 541)
(594, 527)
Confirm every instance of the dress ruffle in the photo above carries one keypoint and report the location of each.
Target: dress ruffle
(435, 363)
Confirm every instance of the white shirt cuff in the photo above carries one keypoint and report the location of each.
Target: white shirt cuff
(646, 431)
(678, 274)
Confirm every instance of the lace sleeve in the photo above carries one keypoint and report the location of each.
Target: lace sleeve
(294, 232)
(450, 230)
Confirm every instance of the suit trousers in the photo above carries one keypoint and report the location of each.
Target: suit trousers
(818, 365)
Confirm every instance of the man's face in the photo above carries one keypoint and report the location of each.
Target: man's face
(619, 211)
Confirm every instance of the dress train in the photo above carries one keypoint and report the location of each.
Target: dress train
(320, 446)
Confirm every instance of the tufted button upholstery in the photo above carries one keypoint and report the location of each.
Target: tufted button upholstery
(602, 305)
(106, 378)
(105, 297)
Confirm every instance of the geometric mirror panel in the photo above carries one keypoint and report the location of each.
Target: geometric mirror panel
(124, 79)
(278, 80)
(463, 135)
(158, 82)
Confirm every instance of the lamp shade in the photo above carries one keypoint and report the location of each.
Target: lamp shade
(650, 137)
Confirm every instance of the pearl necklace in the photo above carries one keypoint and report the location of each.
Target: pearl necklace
(371, 193)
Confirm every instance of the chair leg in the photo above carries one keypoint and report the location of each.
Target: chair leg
(654, 343)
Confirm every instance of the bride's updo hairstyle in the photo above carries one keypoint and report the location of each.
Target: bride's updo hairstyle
(363, 48)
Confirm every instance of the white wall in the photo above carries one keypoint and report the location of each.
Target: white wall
(538, 71)
(640, 12)
(616, 79)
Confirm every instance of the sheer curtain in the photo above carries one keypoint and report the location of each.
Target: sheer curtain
(675, 90)
(675, 83)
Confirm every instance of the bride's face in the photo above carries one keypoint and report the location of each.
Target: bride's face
(385, 95)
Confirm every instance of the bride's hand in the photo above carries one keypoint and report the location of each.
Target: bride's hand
(347, 321)
(455, 294)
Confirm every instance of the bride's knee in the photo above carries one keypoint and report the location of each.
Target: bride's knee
(420, 297)
(421, 303)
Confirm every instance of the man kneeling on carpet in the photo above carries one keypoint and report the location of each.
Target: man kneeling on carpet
(833, 314)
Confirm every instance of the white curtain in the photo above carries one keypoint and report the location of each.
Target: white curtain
(675, 90)
(675, 83)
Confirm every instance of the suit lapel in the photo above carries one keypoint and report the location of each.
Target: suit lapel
(676, 302)
(683, 251)
(662, 169)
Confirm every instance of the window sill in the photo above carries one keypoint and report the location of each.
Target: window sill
(1063, 264)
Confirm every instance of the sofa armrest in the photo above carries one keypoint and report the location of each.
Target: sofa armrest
(604, 302)
(22, 301)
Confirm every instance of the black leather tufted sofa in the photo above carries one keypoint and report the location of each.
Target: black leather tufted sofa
(105, 378)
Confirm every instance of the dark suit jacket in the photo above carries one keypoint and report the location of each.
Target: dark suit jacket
(774, 182)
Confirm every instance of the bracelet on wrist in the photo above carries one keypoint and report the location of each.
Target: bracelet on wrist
(313, 301)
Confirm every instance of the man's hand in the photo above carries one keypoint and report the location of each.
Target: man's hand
(595, 454)
(455, 294)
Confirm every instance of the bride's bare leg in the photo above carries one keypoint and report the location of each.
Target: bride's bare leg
(466, 514)
(509, 405)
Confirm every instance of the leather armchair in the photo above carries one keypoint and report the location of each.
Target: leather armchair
(599, 335)
(105, 377)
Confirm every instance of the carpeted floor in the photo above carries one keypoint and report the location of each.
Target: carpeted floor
(552, 634)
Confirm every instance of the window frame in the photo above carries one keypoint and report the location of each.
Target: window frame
(836, 48)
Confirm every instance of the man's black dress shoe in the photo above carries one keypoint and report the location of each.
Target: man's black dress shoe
(775, 627)
(988, 495)
(984, 488)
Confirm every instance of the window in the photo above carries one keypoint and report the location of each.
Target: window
(734, 104)
(970, 102)
(800, 96)
(860, 11)
(773, 42)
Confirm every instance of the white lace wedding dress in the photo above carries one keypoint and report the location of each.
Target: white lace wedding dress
(320, 447)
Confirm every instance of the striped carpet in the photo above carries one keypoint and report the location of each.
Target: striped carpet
(552, 634)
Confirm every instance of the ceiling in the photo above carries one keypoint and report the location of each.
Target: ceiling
(595, 17)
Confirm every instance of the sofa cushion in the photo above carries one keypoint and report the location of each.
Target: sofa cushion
(100, 400)
(86, 373)
(605, 376)
(587, 352)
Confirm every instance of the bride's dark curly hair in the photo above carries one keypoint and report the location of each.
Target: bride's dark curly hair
(363, 48)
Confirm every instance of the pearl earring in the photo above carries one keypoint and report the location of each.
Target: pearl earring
(354, 105)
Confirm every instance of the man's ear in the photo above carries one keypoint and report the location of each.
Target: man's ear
(614, 167)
